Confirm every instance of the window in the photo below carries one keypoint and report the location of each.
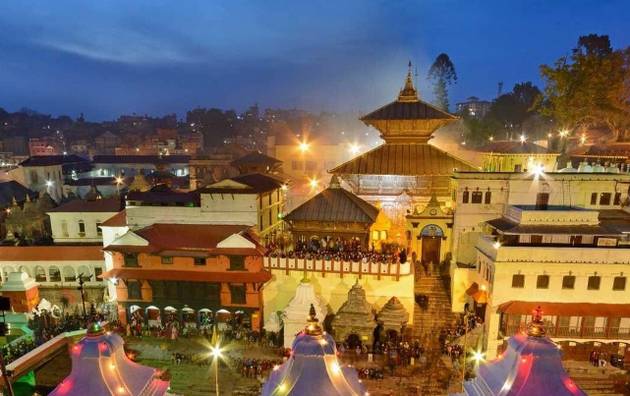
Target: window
(311, 165)
(542, 201)
(261, 223)
(296, 165)
(64, 228)
(270, 218)
(200, 261)
(97, 272)
(568, 282)
(476, 197)
(238, 294)
(69, 275)
(619, 283)
(536, 239)
(269, 199)
(99, 231)
(594, 198)
(167, 259)
(518, 281)
(604, 199)
(81, 228)
(465, 197)
(34, 177)
(488, 198)
(237, 263)
(518, 167)
(40, 274)
(131, 260)
(54, 274)
(593, 282)
(134, 292)
(542, 282)
(617, 200)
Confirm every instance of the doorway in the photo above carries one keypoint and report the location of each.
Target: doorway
(431, 249)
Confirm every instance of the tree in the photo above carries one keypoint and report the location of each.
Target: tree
(590, 88)
(442, 74)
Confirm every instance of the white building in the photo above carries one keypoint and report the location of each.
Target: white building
(79, 221)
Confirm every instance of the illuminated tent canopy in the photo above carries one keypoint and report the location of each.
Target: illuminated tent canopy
(101, 367)
(313, 367)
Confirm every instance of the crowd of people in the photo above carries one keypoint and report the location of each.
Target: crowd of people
(255, 368)
(339, 250)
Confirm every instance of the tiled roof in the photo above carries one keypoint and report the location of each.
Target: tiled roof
(508, 227)
(257, 183)
(408, 111)
(255, 158)
(117, 220)
(50, 253)
(92, 181)
(49, 160)
(112, 205)
(12, 189)
(407, 159)
(513, 147)
(140, 159)
(334, 204)
(183, 275)
(163, 194)
(188, 237)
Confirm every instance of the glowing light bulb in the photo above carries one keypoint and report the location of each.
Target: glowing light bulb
(523, 138)
(496, 245)
(354, 149)
(313, 183)
(323, 342)
(304, 147)
(336, 369)
(478, 356)
(49, 183)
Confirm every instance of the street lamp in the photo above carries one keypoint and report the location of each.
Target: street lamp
(215, 352)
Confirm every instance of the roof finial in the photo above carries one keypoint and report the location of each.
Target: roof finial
(536, 328)
(408, 93)
(312, 327)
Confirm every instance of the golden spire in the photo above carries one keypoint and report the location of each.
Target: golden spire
(536, 328)
(312, 327)
(408, 93)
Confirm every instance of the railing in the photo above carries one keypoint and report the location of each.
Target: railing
(619, 333)
(324, 266)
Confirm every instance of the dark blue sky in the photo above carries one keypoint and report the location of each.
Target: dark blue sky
(105, 58)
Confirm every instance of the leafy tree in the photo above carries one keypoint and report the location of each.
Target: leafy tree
(591, 87)
(442, 74)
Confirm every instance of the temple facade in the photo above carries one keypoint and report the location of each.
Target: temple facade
(405, 171)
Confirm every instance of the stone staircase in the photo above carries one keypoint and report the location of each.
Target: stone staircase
(596, 381)
(429, 318)
(436, 314)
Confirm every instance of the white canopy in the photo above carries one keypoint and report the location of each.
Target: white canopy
(170, 309)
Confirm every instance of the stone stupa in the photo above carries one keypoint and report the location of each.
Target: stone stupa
(355, 316)
(393, 315)
(297, 311)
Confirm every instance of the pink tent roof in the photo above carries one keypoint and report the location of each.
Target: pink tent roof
(101, 367)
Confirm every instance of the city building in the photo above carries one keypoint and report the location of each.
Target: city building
(79, 221)
(200, 266)
(517, 156)
(44, 146)
(558, 240)
(473, 107)
(313, 367)
(257, 162)
(130, 165)
(46, 174)
(531, 365)
(254, 199)
(208, 169)
(100, 366)
(56, 270)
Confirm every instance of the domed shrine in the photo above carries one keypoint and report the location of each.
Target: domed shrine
(531, 365)
(313, 367)
(393, 315)
(298, 309)
(355, 317)
(101, 367)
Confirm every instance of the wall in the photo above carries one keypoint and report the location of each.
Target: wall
(90, 219)
(333, 290)
(35, 177)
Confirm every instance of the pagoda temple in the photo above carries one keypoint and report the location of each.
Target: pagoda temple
(354, 321)
(101, 367)
(313, 367)
(406, 170)
(531, 365)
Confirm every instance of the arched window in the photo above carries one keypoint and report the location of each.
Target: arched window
(81, 228)
(40, 274)
(26, 270)
(84, 270)
(6, 271)
(68, 274)
(64, 229)
(54, 274)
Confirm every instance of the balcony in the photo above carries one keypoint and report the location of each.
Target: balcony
(324, 266)
(572, 332)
